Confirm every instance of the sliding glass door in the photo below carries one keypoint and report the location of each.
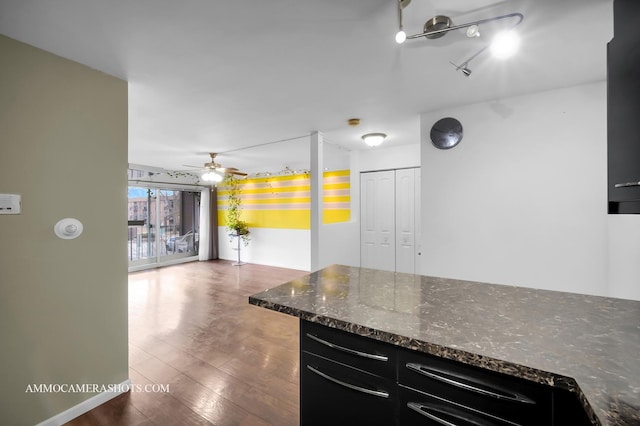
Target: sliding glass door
(163, 225)
(141, 242)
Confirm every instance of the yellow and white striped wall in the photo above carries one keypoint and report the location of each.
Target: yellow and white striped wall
(285, 201)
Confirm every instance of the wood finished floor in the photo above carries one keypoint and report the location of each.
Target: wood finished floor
(226, 362)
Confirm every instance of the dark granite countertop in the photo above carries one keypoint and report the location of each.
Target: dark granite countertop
(587, 344)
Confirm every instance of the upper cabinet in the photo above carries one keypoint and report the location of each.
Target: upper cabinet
(623, 108)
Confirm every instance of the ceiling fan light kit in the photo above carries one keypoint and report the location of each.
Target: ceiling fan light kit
(212, 177)
(504, 44)
(214, 172)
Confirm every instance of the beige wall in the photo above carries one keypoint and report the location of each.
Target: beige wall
(63, 303)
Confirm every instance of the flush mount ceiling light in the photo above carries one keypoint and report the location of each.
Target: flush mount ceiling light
(374, 139)
(504, 45)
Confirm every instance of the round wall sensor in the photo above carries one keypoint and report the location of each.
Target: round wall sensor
(68, 228)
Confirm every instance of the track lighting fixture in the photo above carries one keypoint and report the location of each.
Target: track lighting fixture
(401, 36)
(504, 44)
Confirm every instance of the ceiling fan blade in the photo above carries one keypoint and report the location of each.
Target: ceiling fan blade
(235, 172)
(188, 165)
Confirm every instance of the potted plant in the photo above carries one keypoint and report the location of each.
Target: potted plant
(236, 226)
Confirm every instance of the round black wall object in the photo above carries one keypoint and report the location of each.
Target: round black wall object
(446, 133)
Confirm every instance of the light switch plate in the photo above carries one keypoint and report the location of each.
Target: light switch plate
(10, 203)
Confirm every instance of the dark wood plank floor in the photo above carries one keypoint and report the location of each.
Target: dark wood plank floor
(226, 362)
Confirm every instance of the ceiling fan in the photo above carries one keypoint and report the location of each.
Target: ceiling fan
(214, 172)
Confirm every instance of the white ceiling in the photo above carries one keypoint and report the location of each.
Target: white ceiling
(211, 75)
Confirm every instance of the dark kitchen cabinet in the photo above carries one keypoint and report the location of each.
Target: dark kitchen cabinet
(377, 358)
(472, 392)
(422, 408)
(623, 108)
(347, 379)
(567, 409)
(336, 394)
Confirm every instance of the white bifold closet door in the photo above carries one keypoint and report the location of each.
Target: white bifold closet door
(389, 208)
(378, 220)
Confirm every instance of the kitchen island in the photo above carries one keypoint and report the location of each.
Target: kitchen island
(584, 348)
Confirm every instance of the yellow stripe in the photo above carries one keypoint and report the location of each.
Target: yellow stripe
(337, 173)
(336, 216)
(288, 206)
(282, 219)
(336, 199)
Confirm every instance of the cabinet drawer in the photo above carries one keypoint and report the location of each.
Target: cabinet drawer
(499, 395)
(360, 352)
(419, 408)
(336, 394)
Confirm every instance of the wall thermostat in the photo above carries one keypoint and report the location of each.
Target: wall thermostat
(10, 203)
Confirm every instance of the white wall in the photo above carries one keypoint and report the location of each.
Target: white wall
(286, 248)
(340, 242)
(387, 158)
(522, 199)
(624, 256)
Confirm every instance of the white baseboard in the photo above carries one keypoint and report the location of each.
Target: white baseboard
(84, 406)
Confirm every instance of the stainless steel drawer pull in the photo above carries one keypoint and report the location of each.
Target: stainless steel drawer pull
(347, 350)
(381, 394)
(492, 391)
(431, 413)
(422, 409)
(626, 184)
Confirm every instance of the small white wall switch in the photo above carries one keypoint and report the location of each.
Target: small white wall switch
(10, 203)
